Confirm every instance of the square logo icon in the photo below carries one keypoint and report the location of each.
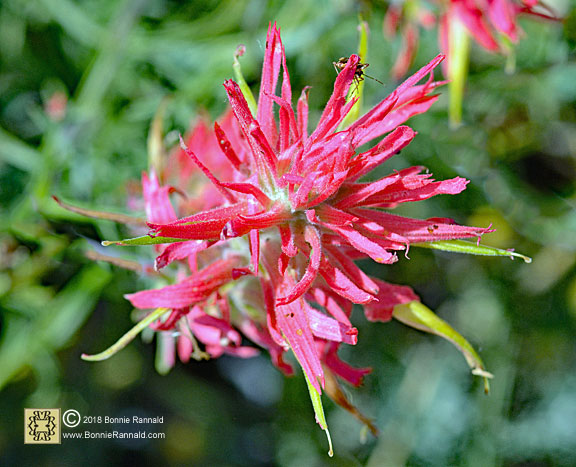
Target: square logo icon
(42, 426)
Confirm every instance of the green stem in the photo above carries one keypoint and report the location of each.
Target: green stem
(458, 70)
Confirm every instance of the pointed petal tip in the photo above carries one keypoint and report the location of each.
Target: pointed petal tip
(439, 58)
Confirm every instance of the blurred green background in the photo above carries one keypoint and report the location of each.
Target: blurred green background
(112, 63)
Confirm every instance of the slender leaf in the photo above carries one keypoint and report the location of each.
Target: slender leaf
(316, 399)
(462, 246)
(419, 316)
(126, 338)
(143, 240)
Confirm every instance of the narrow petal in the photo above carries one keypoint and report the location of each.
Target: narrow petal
(342, 285)
(293, 323)
(158, 206)
(249, 189)
(255, 250)
(276, 215)
(273, 56)
(227, 148)
(227, 195)
(348, 373)
(178, 251)
(212, 330)
(330, 302)
(365, 245)
(334, 112)
(416, 230)
(288, 125)
(287, 238)
(302, 114)
(372, 124)
(328, 328)
(389, 146)
(473, 19)
(355, 194)
(400, 115)
(352, 270)
(402, 190)
(313, 238)
(191, 290)
(272, 323)
(265, 159)
(205, 225)
(301, 196)
(359, 241)
(261, 337)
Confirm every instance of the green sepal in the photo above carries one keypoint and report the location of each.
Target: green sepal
(239, 77)
(462, 246)
(143, 240)
(419, 316)
(126, 338)
(316, 399)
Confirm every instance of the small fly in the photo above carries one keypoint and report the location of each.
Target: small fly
(359, 73)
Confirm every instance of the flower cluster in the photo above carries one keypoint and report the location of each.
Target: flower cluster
(270, 218)
(492, 24)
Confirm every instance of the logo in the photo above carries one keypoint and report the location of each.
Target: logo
(41, 426)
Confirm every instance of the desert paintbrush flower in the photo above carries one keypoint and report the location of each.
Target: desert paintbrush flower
(266, 247)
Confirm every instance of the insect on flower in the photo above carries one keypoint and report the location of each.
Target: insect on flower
(359, 73)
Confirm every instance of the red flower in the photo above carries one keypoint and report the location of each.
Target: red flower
(266, 245)
(299, 193)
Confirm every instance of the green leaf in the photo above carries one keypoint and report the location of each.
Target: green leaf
(461, 246)
(143, 240)
(126, 338)
(419, 316)
(319, 411)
